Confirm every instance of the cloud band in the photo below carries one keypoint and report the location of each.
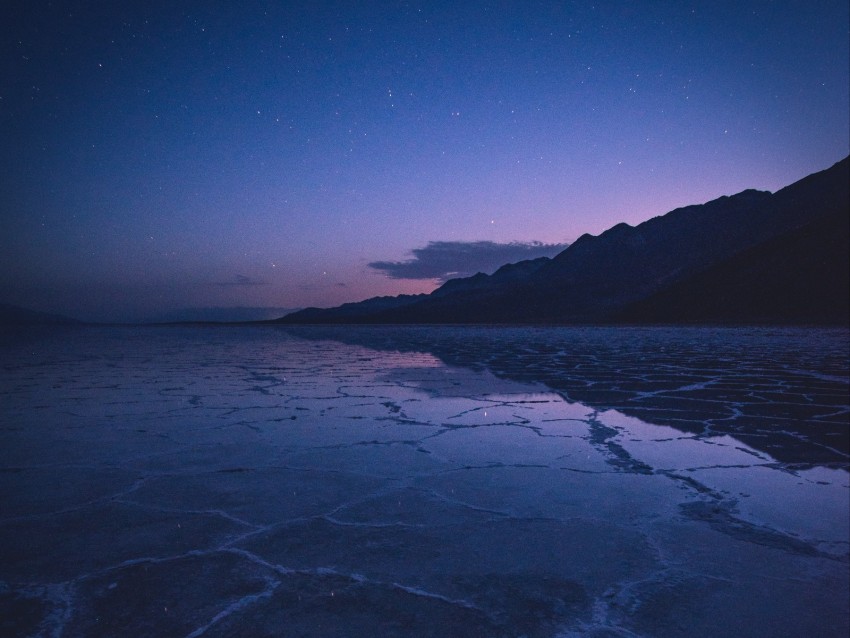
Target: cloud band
(443, 260)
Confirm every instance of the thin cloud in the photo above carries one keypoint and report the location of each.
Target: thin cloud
(242, 280)
(444, 260)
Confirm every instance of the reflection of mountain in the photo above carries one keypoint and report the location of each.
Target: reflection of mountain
(751, 257)
(780, 390)
(16, 316)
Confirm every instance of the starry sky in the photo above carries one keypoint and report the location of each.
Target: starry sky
(158, 156)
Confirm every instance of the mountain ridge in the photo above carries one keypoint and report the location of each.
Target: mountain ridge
(597, 278)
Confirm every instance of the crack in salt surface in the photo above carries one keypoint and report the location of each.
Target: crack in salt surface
(194, 512)
(108, 498)
(353, 576)
(60, 597)
(222, 393)
(236, 607)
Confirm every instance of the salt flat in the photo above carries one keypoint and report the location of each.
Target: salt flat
(260, 481)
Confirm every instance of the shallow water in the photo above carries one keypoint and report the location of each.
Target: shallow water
(424, 482)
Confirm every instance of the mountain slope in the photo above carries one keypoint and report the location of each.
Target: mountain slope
(370, 309)
(355, 312)
(799, 277)
(597, 278)
(625, 264)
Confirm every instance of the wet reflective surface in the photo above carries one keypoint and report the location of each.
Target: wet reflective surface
(424, 482)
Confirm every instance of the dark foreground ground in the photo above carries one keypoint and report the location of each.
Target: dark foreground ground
(424, 482)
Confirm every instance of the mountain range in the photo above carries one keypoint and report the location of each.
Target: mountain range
(16, 316)
(220, 314)
(754, 257)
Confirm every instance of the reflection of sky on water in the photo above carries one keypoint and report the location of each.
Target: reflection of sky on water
(780, 390)
(515, 425)
(450, 494)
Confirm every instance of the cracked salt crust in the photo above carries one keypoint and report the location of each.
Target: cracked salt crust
(415, 482)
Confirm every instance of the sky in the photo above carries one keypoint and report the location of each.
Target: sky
(159, 156)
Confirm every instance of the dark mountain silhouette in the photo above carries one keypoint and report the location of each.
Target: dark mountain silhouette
(799, 277)
(357, 311)
(219, 314)
(507, 275)
(16, 316)
(751, 257)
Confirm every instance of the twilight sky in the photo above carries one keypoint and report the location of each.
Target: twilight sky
(163, 155)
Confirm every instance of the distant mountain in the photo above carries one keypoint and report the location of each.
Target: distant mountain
(223, 314)
(751, 257)
(353, 312)
(16, 316)
(506, 276)
(380, 309)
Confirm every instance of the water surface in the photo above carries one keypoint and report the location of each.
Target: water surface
(424, 482)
